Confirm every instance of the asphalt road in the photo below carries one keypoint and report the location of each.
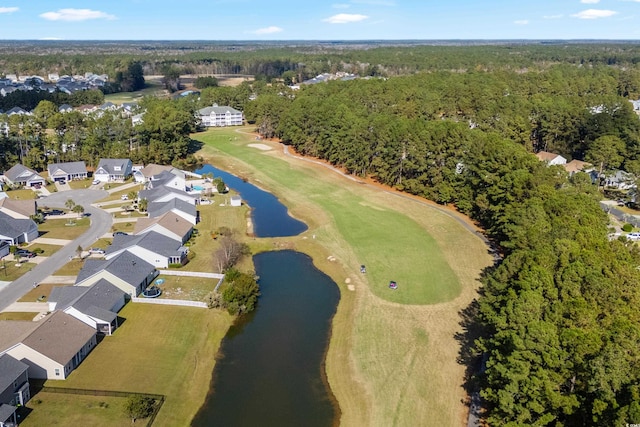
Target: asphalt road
(100, 224)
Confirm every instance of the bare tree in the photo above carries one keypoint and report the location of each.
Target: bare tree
(229, 253)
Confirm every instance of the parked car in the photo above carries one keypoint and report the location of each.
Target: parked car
(96, 251)
(95, 182)
(54, 212)
(633, 236)
(25, 253)
(120, 233)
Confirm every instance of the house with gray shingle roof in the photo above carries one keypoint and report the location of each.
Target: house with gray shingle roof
(177, 206)
(67, 171)
(164, 194)
(216, 116)
(126, 271)
(17, 230)
(22, 175)
(52, 347)
(96, 305)
(110, 170)
(174, 178)
(65, 108)
(19, 209)
(169, 224)
(152, 247)
(14, 388)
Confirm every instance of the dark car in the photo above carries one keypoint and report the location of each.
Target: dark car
(25, 253)
(120, 233)
(54, 212)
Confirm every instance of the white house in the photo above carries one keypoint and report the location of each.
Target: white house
(551, 158)
(153, 247)
(170, 225)
(215, 116)
(181, 208)
(126, 271)
(113, 170)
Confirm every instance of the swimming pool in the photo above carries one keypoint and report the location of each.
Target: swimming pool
(198, 187)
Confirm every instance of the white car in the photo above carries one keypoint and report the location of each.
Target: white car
(95, 182)
(633, 236)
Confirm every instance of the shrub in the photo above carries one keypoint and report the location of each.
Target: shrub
(37, 251)
(627, 227)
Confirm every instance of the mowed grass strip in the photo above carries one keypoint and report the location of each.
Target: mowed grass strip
(158, 349)
(388, 243)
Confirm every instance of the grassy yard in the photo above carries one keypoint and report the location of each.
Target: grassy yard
(48, 249)
(9, 270)
(23, 194)
(158, 349)
(60, 228)
(388, 363)
(80, 184)
(15, 315)
(127, 227)
(186, 288)
(36, 294)
(72, 268)
(55, 409)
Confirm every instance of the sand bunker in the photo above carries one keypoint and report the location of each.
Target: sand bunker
(260, 147)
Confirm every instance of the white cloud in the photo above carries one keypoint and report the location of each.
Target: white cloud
(345, 18)
(75, 15)
(589, 1)
(594, 14)
(268, 30)
(340, 6)
(521, 22)
(8, 9)
(552, 16)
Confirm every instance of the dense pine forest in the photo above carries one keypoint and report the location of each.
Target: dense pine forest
(457, 125)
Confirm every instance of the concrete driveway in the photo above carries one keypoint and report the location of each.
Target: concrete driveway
(101, 222)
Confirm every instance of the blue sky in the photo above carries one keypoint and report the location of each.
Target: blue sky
(318, 19)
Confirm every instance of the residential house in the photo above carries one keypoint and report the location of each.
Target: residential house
(67, 171)
(18, 209)
(137, 119)
(65, 108)
(215, 116)
(169, 224)
(551, 158)
(181, 208)
(97, 305)
(620, 179)
(14, 388)
(174, 178)
(17, 110)
(112, 170)
(154, 169)
(575, 166)
(126, 271)
(165, 194)
(5, 249)
(20, 175)
(14, 231)
(153, 247)
(52, 347)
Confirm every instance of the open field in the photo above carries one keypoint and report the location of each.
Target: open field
(392, 356)
(60, 228)
(148, 352)
(153, 88)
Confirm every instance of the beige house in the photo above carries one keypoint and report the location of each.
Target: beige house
(52, 347)
(551, 158)
(170, 224)
(575, 166)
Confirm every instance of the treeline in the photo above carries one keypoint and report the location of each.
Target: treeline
(29, 99)
(306, 60)
(561, 328)
(49, 136)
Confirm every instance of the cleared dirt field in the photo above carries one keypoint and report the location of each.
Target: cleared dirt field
(391, 361)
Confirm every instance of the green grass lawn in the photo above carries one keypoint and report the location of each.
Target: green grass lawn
(391, 245)
(72, 268)
(8, 270)
(16, 315)
(50, 409)
(23, 194)
(37, 294)
(127, 227)
(158, 349)
(151, 89)
(48, 249)
(59, 228)
(186, 288)
(80, 184)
